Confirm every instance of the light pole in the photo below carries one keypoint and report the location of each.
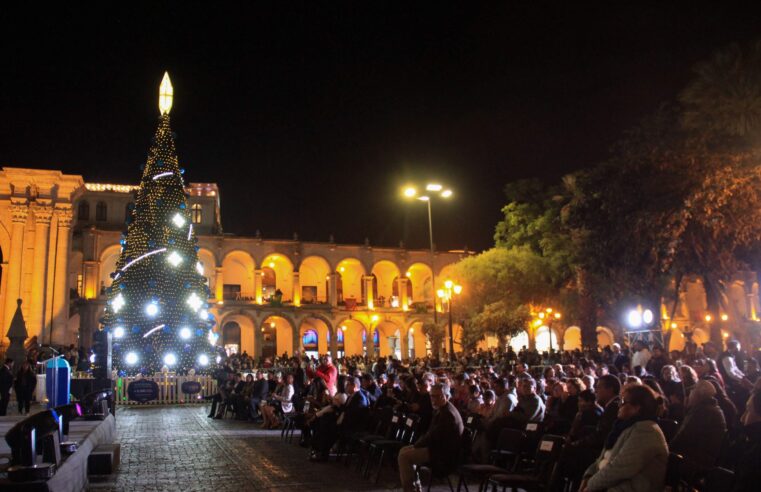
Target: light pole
(546, 318)
(432, 189)
(447, 293)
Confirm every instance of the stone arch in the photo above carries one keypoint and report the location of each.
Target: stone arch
(444, 274)
(351, 285)
(231, 337)
(209, 264)
(313, 277)
(546, 338)
(420, 275)
(417, 342)
(353, 330)
(247, 327)
(281, 267)
(605, 337)
(519, 340)
(238, 275)
(386, 273)
(108, 258)
(390, 335)
(322, 328)
(278, 335)
(572, 338)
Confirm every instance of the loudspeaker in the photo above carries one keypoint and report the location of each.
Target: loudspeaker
(101, 346)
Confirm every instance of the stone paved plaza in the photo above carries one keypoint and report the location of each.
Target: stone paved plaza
(180, 449)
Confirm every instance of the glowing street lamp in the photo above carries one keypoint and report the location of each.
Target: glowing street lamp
(447, 293)
(433, 189)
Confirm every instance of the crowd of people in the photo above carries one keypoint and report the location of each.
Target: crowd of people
(620, 411)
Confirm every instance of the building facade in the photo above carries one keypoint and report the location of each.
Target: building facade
(59, 243)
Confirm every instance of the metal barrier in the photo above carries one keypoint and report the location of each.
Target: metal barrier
(170, 389)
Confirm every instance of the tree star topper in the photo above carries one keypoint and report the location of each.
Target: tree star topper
(166, 92)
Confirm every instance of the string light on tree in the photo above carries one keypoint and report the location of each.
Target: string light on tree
(158, 296)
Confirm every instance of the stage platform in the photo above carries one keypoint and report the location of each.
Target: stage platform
(71, 476)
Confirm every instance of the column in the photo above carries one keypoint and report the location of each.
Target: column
(91, 287)
(42, 216)
(296, 289)
(332, 289)
(295, 341)
(219, 284)
(368, 279)
(60, 286)
(333, 340)
(369, 345)
(404, 343)
(258, 340)
(19, 212)
(403, 300)
(258, 277)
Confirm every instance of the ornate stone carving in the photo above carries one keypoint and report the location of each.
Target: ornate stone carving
(65, 216)
(43, 213)
(19, 212)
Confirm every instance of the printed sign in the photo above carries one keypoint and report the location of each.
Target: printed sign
(546, 445)
(531, 427)
(143, 390)
(191, 387)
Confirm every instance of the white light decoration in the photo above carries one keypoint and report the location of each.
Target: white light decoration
(199, 268)
(119, 332)
(152, 309)
(190, 231)
(92, 359)
(152, 331)
(203, 359)
(146, 255)
(647, 316)
(174, 258)
(170, 359)
(213, 337)
(218, 359)
(118, 303)
(178, 220)
(131, 358)
(185, 333)
(194, 302)
(162, 175)
(203, 314)
(166, 94)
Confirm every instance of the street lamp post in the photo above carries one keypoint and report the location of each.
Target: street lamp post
(433, 189)
(448, 293)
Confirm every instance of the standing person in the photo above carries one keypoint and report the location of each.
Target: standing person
(440, 446)
(6, 383)
(326, 371)
(641, 355)
(26, 382)
(737, 385)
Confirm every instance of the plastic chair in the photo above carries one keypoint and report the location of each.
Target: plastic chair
(540, 475)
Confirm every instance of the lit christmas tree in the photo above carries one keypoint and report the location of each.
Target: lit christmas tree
(157, 310)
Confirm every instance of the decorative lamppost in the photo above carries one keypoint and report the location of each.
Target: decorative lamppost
(546, 317)
(446, 294)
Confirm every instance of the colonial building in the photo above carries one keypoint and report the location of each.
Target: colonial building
(60, 240)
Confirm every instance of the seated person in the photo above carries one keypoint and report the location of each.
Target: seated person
(587, 417)
(635, 454)
(282, 399)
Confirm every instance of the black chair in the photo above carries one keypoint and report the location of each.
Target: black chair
(668, 427)
(540, 474)
(718, 480)
(466, 440)
(510, 445)
(391, 447)
(674, 479)
(473, 422)
(290, 420)
(393, 430)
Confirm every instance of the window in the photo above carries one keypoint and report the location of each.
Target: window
(195, 213)
(101, 211)
(84, 211)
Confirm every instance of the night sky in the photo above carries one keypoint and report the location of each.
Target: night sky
(311, 117)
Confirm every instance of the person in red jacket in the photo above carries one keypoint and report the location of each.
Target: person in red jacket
(327, 372)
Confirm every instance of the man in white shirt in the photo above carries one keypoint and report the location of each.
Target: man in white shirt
(641, 355)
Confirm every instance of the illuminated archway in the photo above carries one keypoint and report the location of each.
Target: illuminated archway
(545, 338)
(322, 332)
(519, 341)
(351, 286)
(572, 338)
(352, 337)
(238, 276)
(231, 341)
(246, 327)
(281, 268)
(108, 259)
(417, 342)
(277, 337)
(386, 273)
(419, 275)
(208, 263)
(313, 274)
(605, 337)
(388, 339)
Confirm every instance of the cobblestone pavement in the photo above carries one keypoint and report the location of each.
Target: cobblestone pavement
(180, 449)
